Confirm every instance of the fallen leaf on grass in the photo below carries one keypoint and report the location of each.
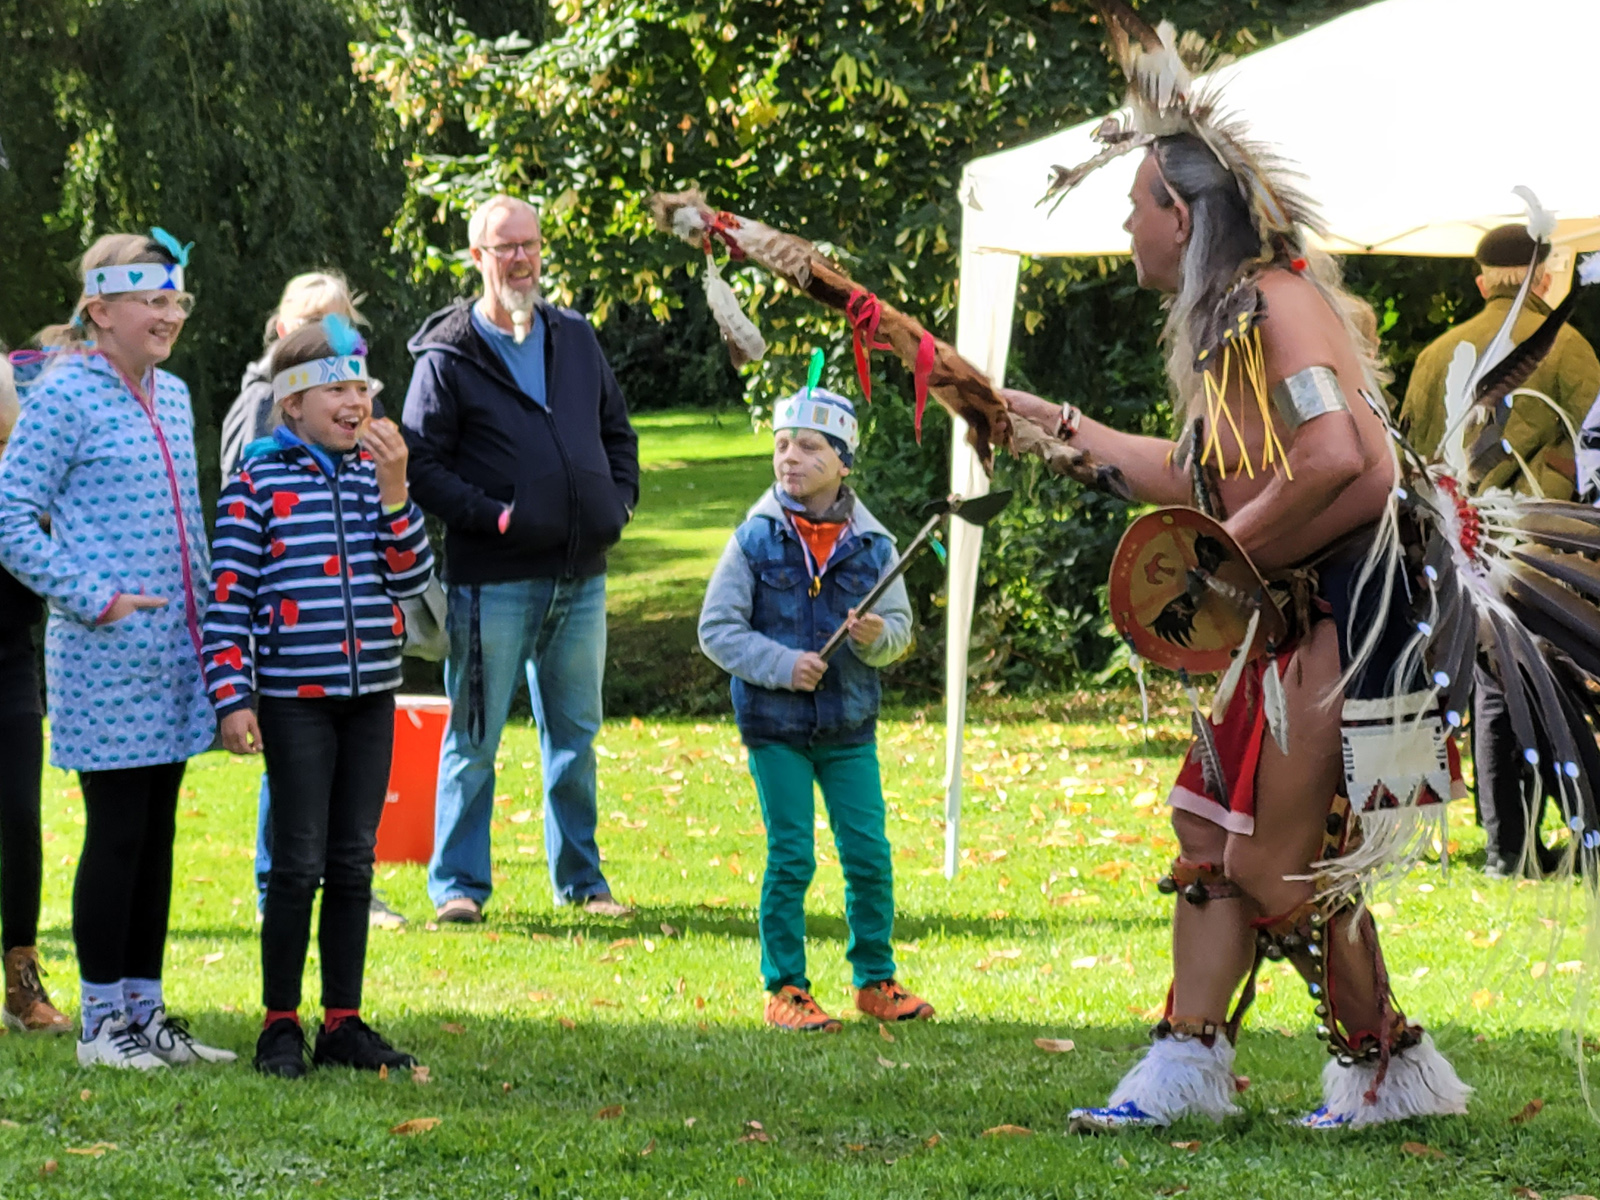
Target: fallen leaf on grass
(50, 1167)
(1174, 1190)
(421, 1075)
(1530, 1110)
(8, 1123)
(415, 1125)
(883, 1032)
(1525, 1193)
(383, 1072)
(754, 1125)
(566, 1022)
(668, 930)
(1113, 869)
(452, 1027)
(506, 1086)
(855, 1147)
(599, 1002)
(1085, 963)
(741, 1181)
(886, 1062)
(1008, 1131)
(1538, 969)
(649, 1148)
(756, 1135)
(609, 1113)
(1422, 1150)
(689, 1122)
(1055, 1045)
(1569, 968)
(94, 1151)
(85, 1094)
(540, 997)
(931, 1142)
(210, 959)
(1191, 1147)
(1483, 998)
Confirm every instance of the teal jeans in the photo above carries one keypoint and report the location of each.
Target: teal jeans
(786, 779)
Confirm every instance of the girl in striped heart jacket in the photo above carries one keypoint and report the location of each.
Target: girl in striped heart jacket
(316, 543)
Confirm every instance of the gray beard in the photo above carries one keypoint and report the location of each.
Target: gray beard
(520, 306)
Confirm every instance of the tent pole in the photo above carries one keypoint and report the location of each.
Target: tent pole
(983, 337)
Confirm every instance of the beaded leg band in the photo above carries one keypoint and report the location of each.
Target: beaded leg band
(1198, 882)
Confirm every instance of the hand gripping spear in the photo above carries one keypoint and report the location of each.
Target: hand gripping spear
(980, 510)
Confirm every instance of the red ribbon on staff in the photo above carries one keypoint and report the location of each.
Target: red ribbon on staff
(719, 227)
(864, 311)
(927, 352)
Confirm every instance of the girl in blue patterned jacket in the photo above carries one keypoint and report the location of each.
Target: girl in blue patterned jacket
(100, 515)
(316, 543)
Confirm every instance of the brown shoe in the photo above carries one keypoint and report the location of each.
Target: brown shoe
(459, 910)
(603, 905)
(791, 1008)
(888, 1001)
(28, 1008)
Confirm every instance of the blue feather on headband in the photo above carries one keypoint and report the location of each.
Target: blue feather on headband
(180, 254)
(342, 336)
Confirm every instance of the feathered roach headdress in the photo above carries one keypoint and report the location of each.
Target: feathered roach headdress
(1216, 329)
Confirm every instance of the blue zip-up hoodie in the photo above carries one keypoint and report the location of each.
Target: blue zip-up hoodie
(306, 573)
(759, 616)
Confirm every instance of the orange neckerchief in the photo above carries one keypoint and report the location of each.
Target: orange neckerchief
(819, 539)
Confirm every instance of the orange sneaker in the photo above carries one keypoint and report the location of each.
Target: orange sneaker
(888, 1001)
(793, 1008)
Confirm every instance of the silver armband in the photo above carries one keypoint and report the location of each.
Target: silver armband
(1307, 394)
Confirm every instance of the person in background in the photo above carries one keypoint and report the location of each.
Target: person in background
(792, 573)
(27, 1004)
(1544, 463)
(306, 298)
(316, 543)
(520, 444)
(104, 451)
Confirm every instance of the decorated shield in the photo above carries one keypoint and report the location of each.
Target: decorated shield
(1182, 593)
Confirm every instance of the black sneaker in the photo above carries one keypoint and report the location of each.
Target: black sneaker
(281, 1050)
(356, 1044)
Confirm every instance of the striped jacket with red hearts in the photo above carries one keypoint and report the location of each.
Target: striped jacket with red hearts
(307, 572)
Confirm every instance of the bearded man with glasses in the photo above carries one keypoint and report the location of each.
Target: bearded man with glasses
(521, 445)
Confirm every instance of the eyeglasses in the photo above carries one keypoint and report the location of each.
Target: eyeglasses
(508, 250)
(175, 305)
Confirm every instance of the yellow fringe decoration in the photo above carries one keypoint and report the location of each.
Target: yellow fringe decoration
(1252, 382)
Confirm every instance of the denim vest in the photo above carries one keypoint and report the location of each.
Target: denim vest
(844, 708)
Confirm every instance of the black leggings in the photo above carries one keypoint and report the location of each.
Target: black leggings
(21, 847)
(328, 770)
(123, 891)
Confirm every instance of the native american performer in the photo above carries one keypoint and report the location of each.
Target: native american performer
(1341, 586)
(1324, 763)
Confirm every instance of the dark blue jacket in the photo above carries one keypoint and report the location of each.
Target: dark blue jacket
(759, 616)
(479, 443)
(306, 569)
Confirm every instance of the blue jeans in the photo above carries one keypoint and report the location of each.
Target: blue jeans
(554, 632)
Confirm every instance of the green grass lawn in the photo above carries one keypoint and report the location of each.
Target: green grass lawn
(588, 1059)
(700, 473)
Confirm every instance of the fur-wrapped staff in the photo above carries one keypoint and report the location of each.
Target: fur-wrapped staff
(935, 366)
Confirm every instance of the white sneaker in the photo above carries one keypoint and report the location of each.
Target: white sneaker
(118, 1044)
(172, 1043)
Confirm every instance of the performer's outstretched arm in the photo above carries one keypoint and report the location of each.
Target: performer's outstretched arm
(1148, 464)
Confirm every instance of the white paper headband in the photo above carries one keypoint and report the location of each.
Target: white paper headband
(343, 369)
(133, 277)
(802, 411)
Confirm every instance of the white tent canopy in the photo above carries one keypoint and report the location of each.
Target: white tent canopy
(1411, 120)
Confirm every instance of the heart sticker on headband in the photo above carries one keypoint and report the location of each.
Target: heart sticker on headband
(100, 277)
(135, 276)
(355, 365)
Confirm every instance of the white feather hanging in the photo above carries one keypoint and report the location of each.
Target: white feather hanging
(745, 343)
(1457, 401)
(1276, 704)
(1230, 681)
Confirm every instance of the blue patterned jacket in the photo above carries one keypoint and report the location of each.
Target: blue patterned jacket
(307, 566)
(117, 481)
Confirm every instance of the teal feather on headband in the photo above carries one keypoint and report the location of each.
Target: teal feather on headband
(180, 254)
(341, 335)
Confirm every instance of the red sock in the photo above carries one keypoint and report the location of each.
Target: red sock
(275, 1015)
(332, 1018)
